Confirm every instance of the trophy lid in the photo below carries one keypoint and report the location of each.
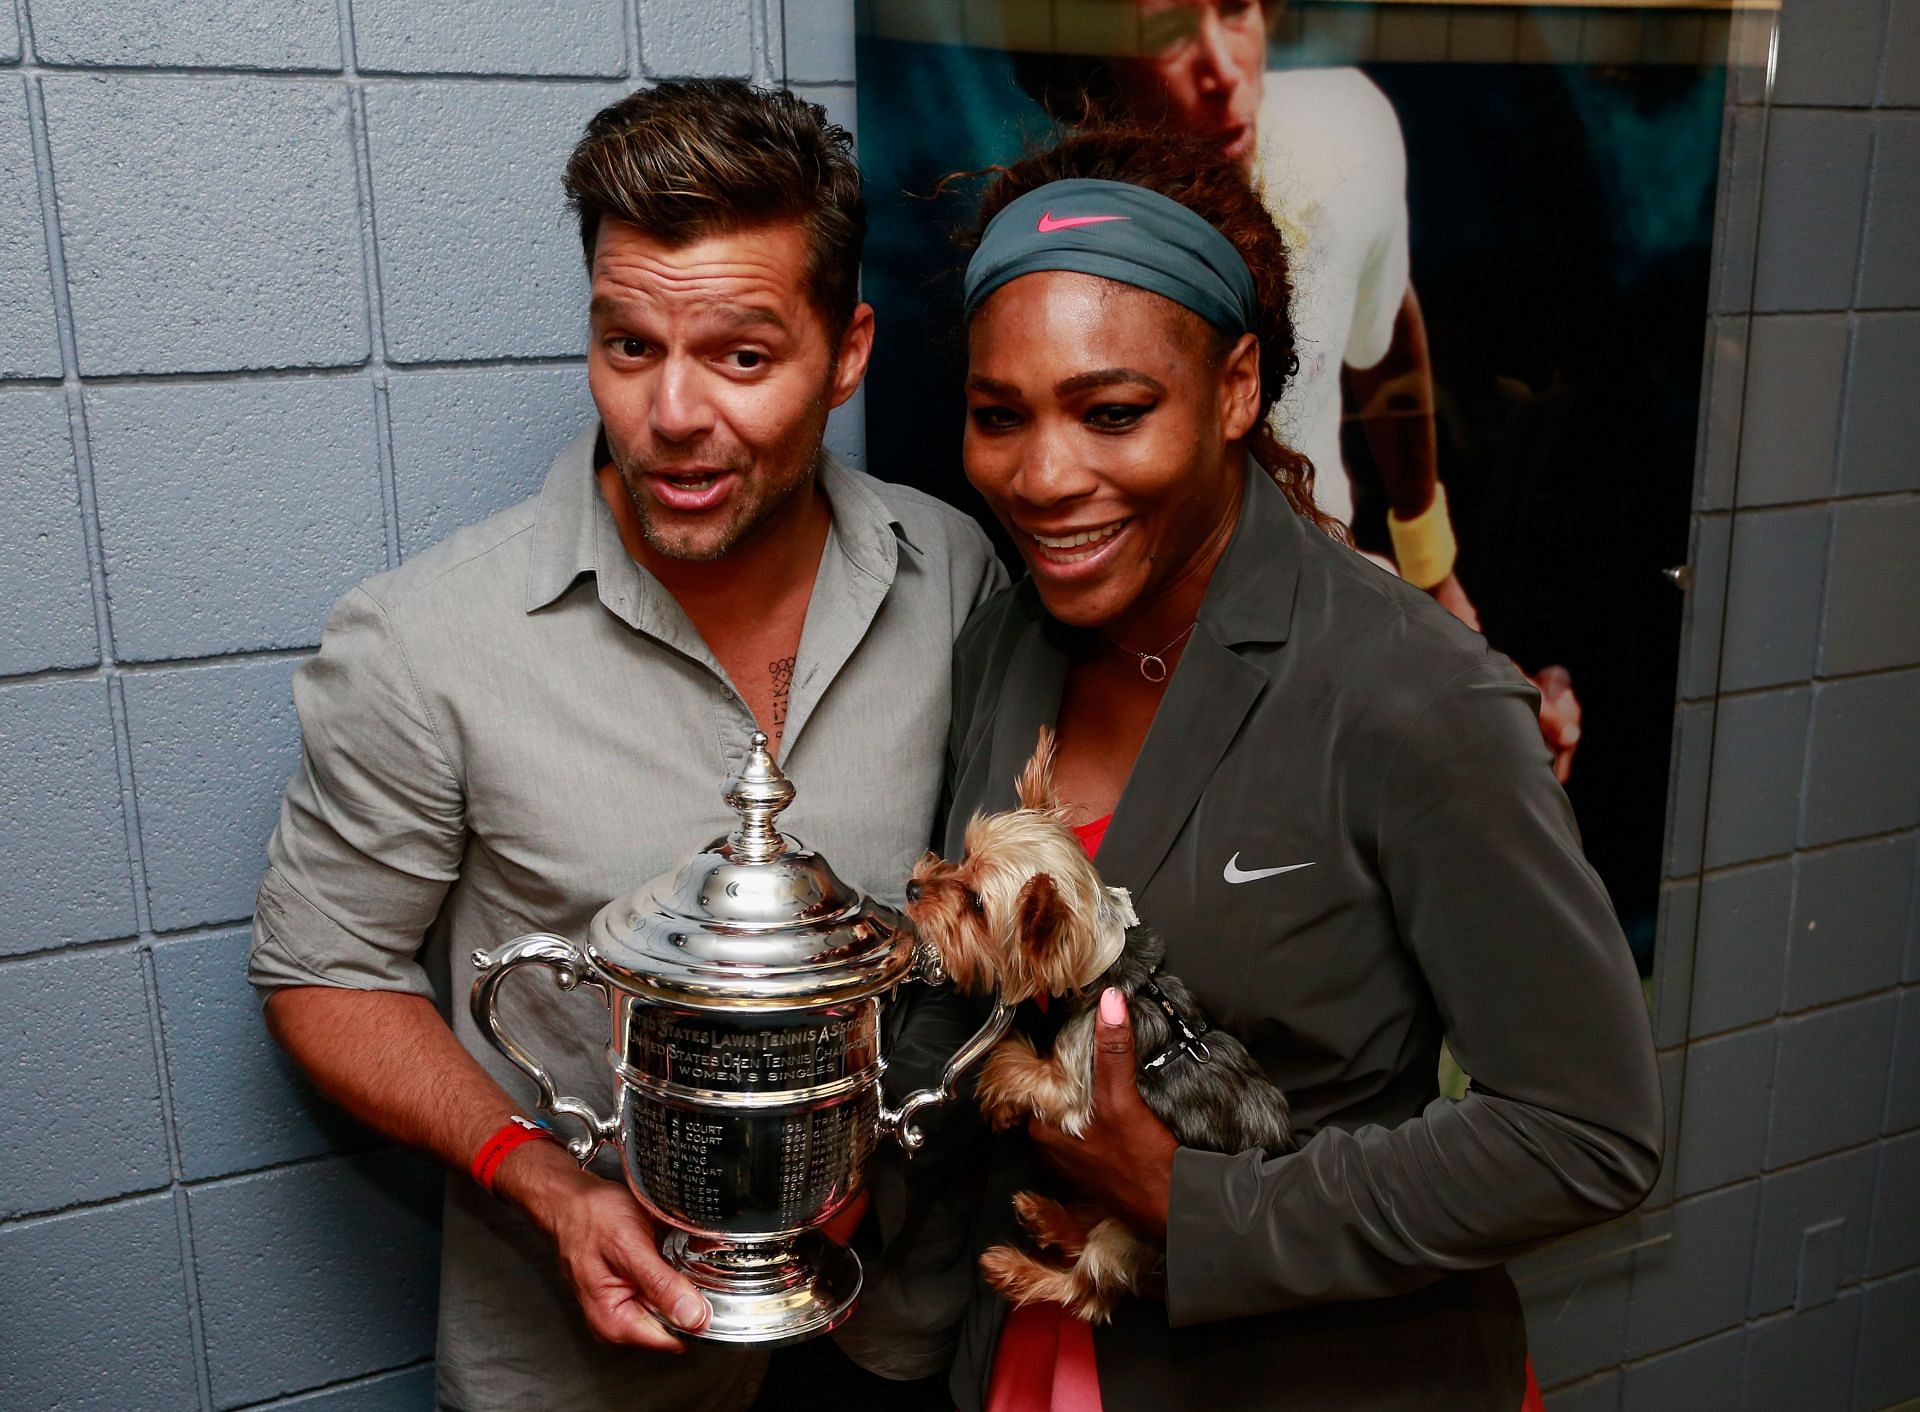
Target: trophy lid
(755, 920)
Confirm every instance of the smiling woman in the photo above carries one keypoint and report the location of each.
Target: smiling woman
(1327, 795)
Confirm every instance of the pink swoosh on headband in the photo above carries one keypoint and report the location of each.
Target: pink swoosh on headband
(1048, 225)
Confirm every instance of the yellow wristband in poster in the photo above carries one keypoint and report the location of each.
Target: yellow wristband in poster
(1423, 546)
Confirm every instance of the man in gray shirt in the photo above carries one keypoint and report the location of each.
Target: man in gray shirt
(536, 715)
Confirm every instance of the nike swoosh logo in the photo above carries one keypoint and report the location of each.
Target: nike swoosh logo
(1048, 225)
(1234, 873)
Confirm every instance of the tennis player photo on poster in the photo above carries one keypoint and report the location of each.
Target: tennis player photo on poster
(1501, 223)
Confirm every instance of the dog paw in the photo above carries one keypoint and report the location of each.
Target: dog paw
(1052, 1226)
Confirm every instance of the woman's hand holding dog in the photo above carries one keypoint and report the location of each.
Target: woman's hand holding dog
(1124, 1160)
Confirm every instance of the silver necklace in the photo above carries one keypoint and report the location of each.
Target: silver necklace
(1153, 665)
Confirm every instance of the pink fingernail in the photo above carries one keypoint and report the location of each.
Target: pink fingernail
(1113, 1007)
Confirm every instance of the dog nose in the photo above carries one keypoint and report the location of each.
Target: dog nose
(913, 890)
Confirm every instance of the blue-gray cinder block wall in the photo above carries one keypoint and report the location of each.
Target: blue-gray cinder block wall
(287, 293)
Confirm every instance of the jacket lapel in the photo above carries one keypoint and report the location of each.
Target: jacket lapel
(1249, 600)
(1206, 702)
(1030, 693)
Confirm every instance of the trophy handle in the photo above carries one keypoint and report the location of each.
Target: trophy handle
(569, 971)
(902, 1122)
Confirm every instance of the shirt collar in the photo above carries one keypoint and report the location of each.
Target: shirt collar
(575, 534)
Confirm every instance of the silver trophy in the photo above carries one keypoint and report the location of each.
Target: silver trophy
(748, 993)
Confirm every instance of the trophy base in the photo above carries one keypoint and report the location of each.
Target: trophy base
(785, 1292)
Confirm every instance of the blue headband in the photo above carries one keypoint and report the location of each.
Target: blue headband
(1117, 231)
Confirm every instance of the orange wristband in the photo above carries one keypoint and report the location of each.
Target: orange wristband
(515, 1132)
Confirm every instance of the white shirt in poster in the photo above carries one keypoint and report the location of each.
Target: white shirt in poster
(1332, 167)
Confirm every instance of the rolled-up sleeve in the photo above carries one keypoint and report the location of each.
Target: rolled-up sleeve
(1517, 941)
(372, 825)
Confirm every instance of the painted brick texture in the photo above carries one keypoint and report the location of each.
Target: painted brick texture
(287, 293)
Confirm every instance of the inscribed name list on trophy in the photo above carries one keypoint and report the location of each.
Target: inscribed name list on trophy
(748, 994)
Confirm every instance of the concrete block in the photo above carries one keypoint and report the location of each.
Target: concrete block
(1724, 354)
(1830, 1080)
(1794, 384)
(1793, 1202)
(1873, 593)
(1702, 1377)
(1687, 789)
(1900, 64)
(1577, 1320)
(1773, 597)
(211, 34)
(410, 1390)
(1888, 1371)
(688, 38)
(1850, 909)
(1672, 38)
(1757, 746)
(1896, 1197)
(239, 245)
(29, 342)
(1736, 214)
(467, 443)
(477, 256)
(1599, 1394)
(1878, 448)
(46, 619)
(1810, 217)
(818, 37)
(316, 1273)
(1696, 1283)
(77, 1049)
(1414, 35)
(1611, 37)
(212, 749)
(1740, 954)
(1339, 34)
(1903, 1083)
(238, 1101)
(581, 37)
(1482, 36)
(939, 21)
(1863, 773)
(1706, 605)
(9, 39)
(1888, 279)
(1673, 955)
(62, 830)
(1723, 1114)
(993, 24)
(95, 1309)
(1803, 1360)
(1670, 1068)
(233, 514)
(1828, 53)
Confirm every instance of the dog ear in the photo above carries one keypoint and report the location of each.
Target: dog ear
(1035, 785)
(1042, 916)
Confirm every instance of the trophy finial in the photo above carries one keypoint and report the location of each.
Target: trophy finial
(757, 793)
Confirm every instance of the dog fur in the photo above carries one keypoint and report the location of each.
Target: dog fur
(1026, 913)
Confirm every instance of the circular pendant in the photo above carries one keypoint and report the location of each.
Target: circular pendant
(1153, 668)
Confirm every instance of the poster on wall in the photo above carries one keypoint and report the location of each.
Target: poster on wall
(1508, 208)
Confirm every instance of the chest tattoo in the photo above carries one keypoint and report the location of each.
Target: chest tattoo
(782, 673)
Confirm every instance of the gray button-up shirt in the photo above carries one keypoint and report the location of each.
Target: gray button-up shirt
(520, 724)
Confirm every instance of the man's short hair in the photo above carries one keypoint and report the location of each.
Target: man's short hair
(690, 159)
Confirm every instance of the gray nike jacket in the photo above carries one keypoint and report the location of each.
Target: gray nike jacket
(1324, 712)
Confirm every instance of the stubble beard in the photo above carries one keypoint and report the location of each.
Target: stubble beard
(755, 501)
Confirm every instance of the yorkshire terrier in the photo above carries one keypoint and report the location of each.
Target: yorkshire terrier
(1025, 913)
